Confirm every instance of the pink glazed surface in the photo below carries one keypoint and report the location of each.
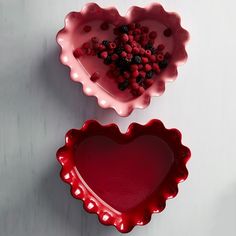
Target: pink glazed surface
(105, 90)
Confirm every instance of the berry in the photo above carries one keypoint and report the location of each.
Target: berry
(108, 60)
(156, 67)
(163, 64)
(160, 47)
(104, 54)
(95, 77)
(123, 85)
(104, 26)
(167, 55)
(135, 73)
(128, 48)
(112, 45)
(144, 60)
(114, 57)
(124, 37)
(167, 32)
(123, 54)
(136, 50)
(149, 74)
(133, 67)
(86, 45)
(87, 28)
(160, 57)
(139, 79)
(137, 59)
(147, 67)
(105, 43)
(78, 53)
(94, 40)
(152, 34)
(119, 49)
(124, 29)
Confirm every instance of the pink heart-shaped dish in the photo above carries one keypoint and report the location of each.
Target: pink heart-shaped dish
(124, 177)
(73, 35)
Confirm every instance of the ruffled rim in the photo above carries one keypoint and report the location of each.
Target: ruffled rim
(124, 222)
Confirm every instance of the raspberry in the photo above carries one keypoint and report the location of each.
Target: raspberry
(86, 45)
(153, 58)
(126, 74)
(94, 40)
(125, 37)
(167, 32)
(152, 34)
(147, 67)
(123, 54)
(135, 73)
(128, 48)
(131, 38)
(160, 47)
(87, 28)
(156, 67)
(104, 54)
(144, 60)
(160, 57)
(135, 50)
(133, 67)
(112, 45)
(114, 57)
(78, 53)
(95, 77)
(104, 26)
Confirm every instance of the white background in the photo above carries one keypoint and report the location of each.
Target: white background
(38, 104)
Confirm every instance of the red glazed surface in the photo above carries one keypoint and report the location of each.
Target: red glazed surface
(72, 36)
(124, 177)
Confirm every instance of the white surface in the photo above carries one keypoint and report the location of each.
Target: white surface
(38, 104)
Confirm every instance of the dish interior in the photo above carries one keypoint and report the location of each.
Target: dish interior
(123, 174)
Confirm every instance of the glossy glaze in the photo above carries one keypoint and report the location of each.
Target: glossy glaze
(73, 36)
(124, 178)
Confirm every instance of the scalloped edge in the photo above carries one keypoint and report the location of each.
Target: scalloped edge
(92, 203)
(179, 56)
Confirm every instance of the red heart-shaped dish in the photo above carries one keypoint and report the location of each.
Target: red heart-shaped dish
(81, 26)
(123, 177)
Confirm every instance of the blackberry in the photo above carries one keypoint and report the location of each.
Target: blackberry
(105, 43)
(119, 49)
(123, 64)
(108, 60)
(163, 64)
(124, 29)
(149, 74)
(139, 79)
(137, 59)
(124, 85)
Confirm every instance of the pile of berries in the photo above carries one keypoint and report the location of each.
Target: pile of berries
(132, 58)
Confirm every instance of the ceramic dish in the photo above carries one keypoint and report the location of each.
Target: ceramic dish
(108, 95)
(123, 177)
